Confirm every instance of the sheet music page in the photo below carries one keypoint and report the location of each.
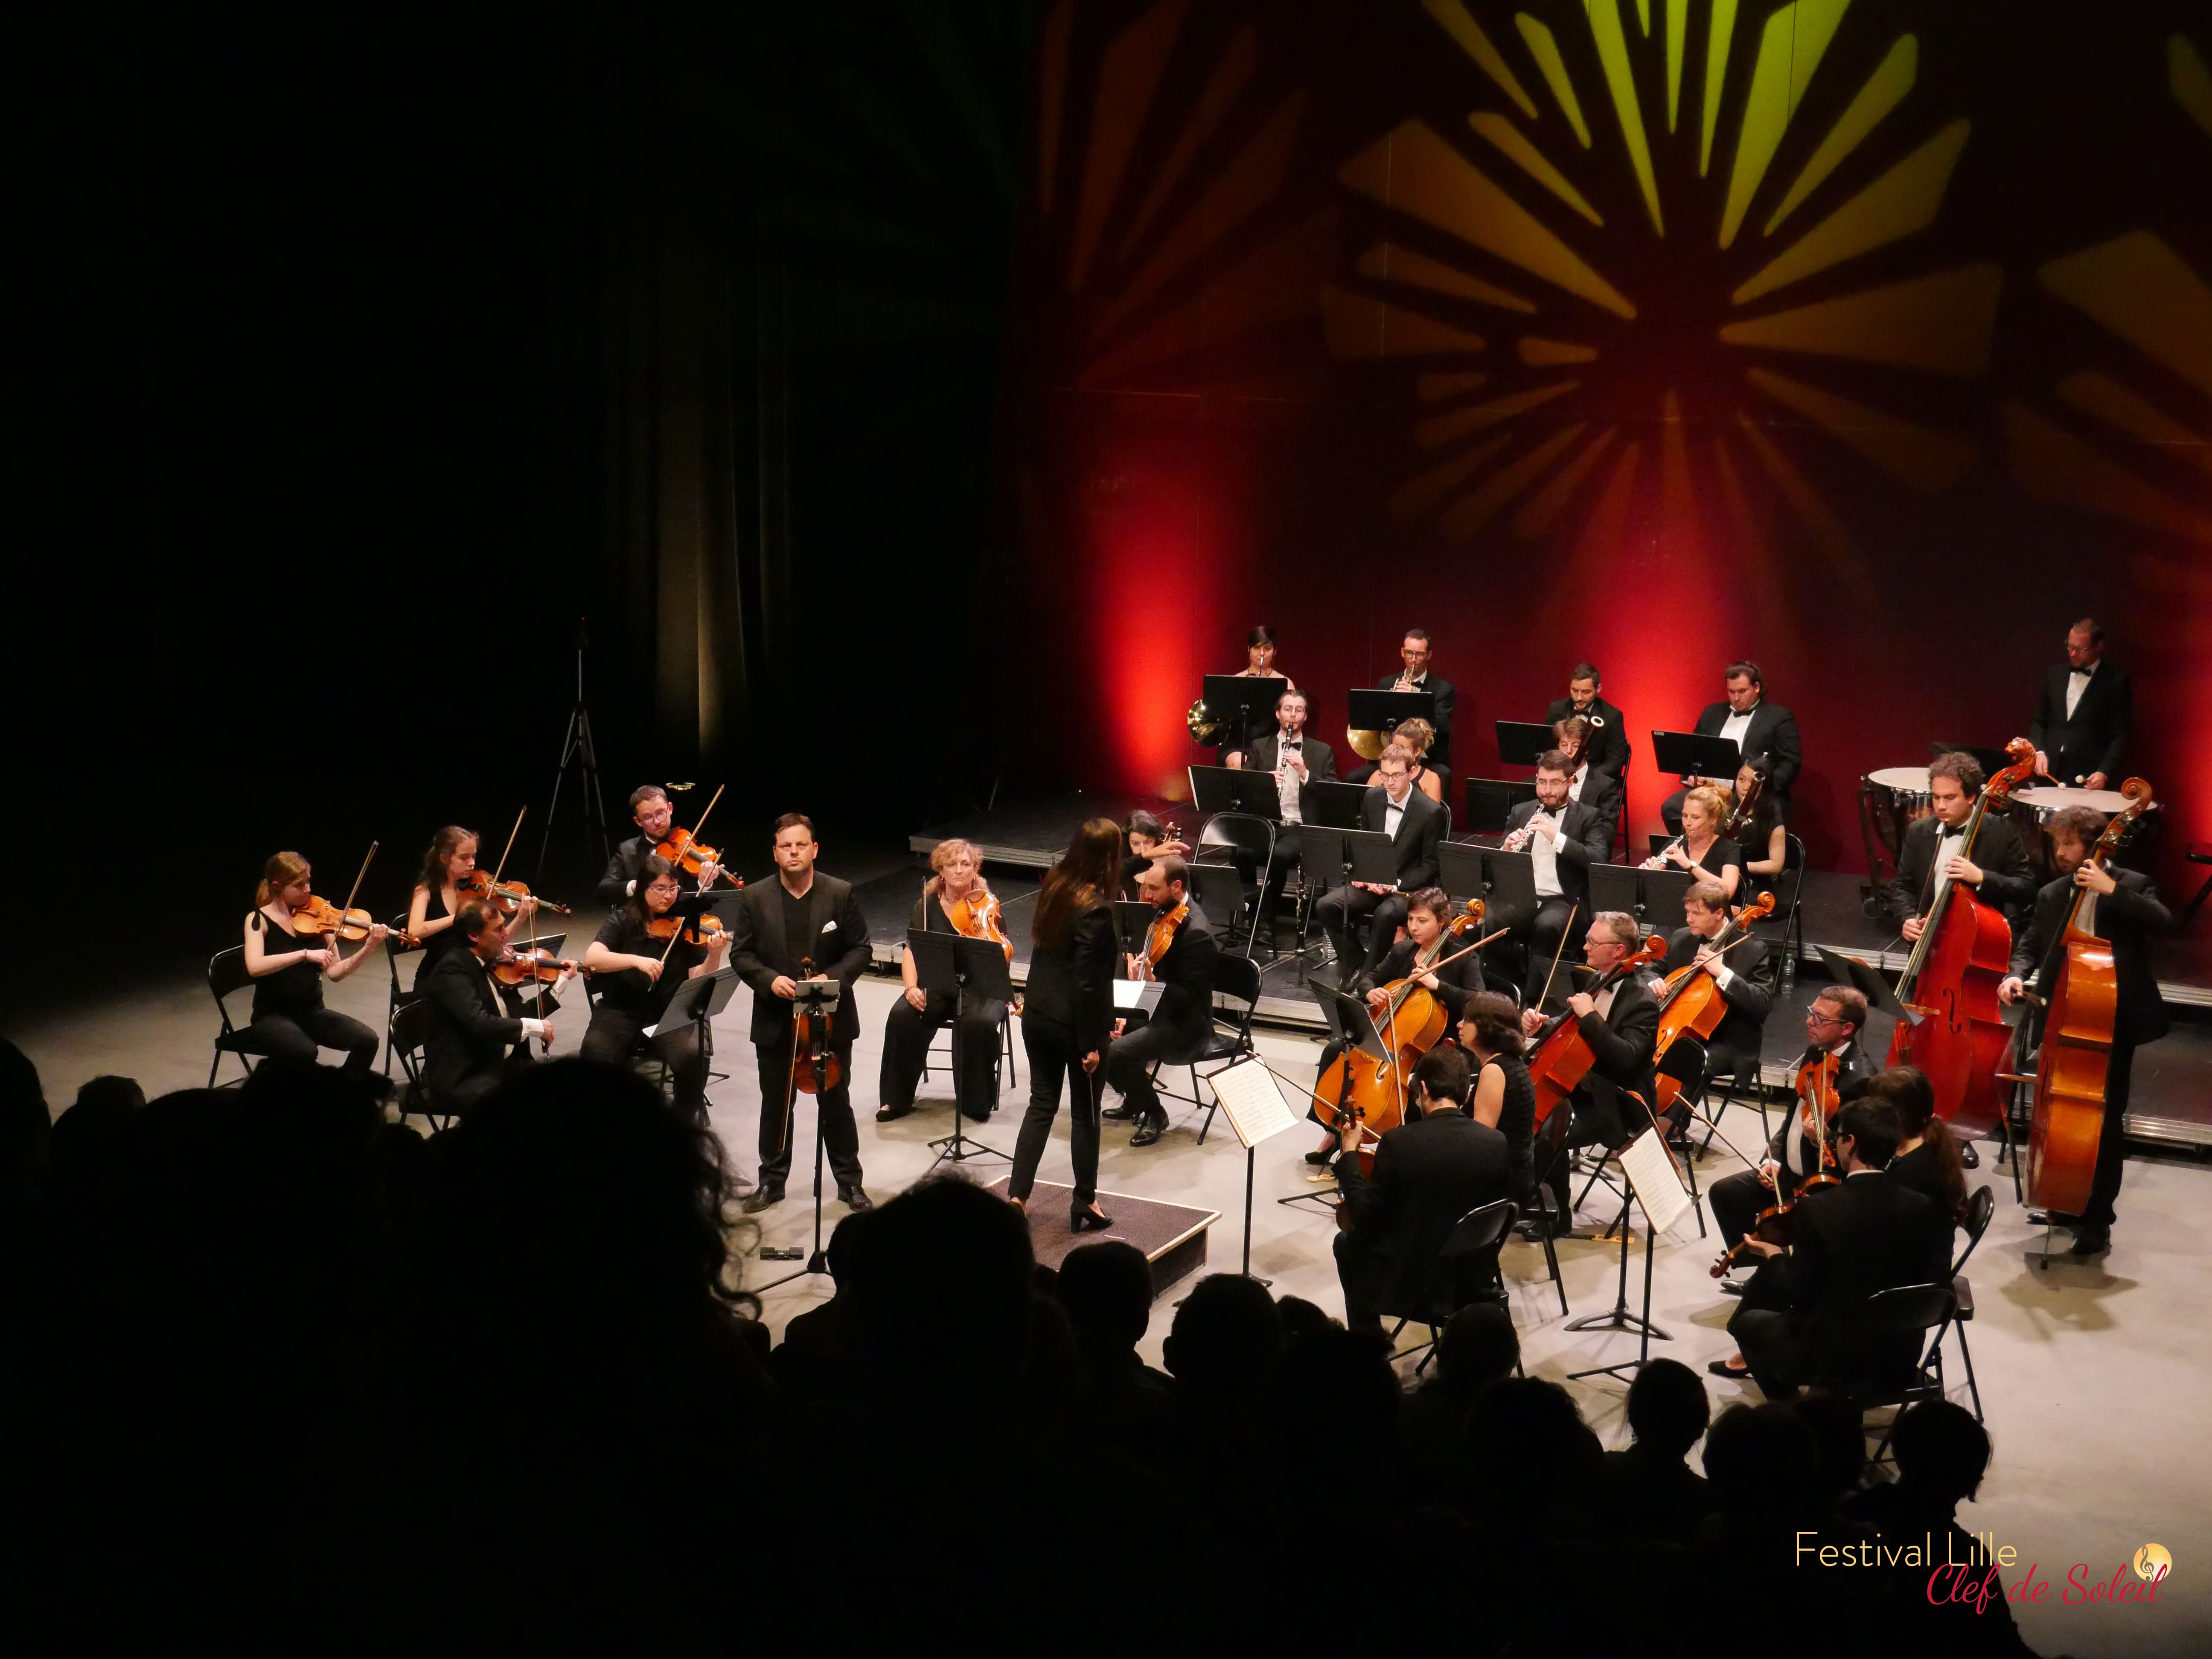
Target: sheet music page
(1248, 1093)
(1651, 1173)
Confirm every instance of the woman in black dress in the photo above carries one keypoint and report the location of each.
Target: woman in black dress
(1927, 1158)
(1701, 846)
(1504, 1095)
(450, 860)
(1765, 844)
(639, 975)
(288, 970)
(1067, 1013)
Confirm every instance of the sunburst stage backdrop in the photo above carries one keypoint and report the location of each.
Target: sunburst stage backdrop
(1872, 341)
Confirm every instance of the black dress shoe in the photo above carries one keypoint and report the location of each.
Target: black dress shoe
(1087, 1218)
(1321, 1156)
(1149, 1131)
(1120, 1112)
(2091, 1240)
(1722, 1368)
(854, 1199)
(2052, 1218)
(1968, 1155)
(761, 1198)
(1730, 1287)
(891, 1113)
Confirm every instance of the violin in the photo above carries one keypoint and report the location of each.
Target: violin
(1561, 1057)
(515, 967)
(1817, 1104)
(1747, 808)
(814, 1062)
(687, 854)
(320, 915)
(703, 931)
(1690, 1001)
(1953, 1028)
(504, 896)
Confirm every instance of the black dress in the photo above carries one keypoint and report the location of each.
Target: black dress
(1516, 1120)
(444, 940)
(289, 1020)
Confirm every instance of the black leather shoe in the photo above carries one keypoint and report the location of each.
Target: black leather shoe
(1120, 1112)
(1968, 1155)
(891, 1113)
(1722, 1368)
(1321, 1155)
(761, 1198)
(2090, 1240)
(1087, 1218)
(1730, 1287)
(1149, 1131)
(854, 1199)
(2052, 1218)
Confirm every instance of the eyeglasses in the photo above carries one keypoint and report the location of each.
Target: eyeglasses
(1824, 1019)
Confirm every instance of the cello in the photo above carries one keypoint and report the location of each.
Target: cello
(1690, 1000)
(1953, 1028)
(1371, 1091)
(1561, 1057)
(2068, 1119)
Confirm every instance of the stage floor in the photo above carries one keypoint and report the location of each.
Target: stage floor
(2091, 1376)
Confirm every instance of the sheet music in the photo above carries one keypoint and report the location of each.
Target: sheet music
(1651, 1173)
(1133, 993)
(1248, 1093)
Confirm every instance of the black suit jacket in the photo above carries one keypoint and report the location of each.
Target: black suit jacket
(471, 1038)
(628, 864)
(1419, 829)
(1868, 1235)
(1621, 1041)
(837, 940)
(2096, 739)
(1319, 758)
(1859, 1068)
(1443, 691)
(1185, 972)
(1608, 744)
(1456, 980)
(2008, 879)
(1773, 732)
(2126, 919)
(1427, 1176)
(1748, 994)
(1589, 840)
(1071, 985)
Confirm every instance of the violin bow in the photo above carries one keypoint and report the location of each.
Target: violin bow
(1545, 995)
(500, 867)
(702, 824)
(1309, 1090)
(362, 875)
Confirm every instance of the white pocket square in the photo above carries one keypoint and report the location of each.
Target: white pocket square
(829, 926)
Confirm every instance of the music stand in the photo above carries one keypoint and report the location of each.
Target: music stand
(1133, 920)
(1491, 801)
(1337, 803)
(1381, 711)
(1696, 754)
(1522, 742)
(970, 969)
(1249, 695)
(1235, 789)
(1661, 1211)
(1865, 977)
(816, 999)
(1374, 857)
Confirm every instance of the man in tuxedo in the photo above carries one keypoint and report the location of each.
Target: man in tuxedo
(1179, 952)
(1620, 1023)
(1834, 1024)
(1414, 652)
(2122, 908)
(1415, 824)
(472, 1045)
(1607, 749)
(804, 925)
(650, 811)
(1298, 762)
(1852, 1241)
(1934, 852)
(1745, 976)
(1562, 838)
(2083, 715)
(1756, 726)
(1429, 1172)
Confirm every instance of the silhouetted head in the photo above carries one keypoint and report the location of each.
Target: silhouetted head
(1761, 1460)
(1529, 1443)
(1477, 1346)
(1226, 1340)
(1941, 1451)
(1667, 1409)
(940, 1298)
(1106, 1290)
(23, 1120)
(1838, 1443)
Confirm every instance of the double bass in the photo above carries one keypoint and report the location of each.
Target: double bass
(1953, 1028)
(1372, 1091)
(1690, 1000)
(2068, 1119)
(1561, 1057)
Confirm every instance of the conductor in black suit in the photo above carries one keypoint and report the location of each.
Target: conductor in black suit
(472, 1044)
(1744, 973)
(1415, 824)
(1298, 762)
(1562, 838)
(1609, 739)
(804, 925)
(1933, 851)
(1756, 726)
(2083, 715)
(1429, 1172)
(2127, 913)
(1866, 1236)
(1179, 952)
(654, 817)
(1620, 1023)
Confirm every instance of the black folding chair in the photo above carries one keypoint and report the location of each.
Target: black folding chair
(395, 947)
(1003, 1069)
(1235, 983)
(1551, 1146)
(1979, 1209)
(1474, 1236)
(406, 1032)
(1922, 1310)
(1218, 890)
(226, 977)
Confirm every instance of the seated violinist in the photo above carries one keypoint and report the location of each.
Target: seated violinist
(1611, 1009)
(1744, 977)
(640, 971)
(1429, 956)
(1145, 839)
(955, 899)
(287, 962)
(472, 1045)
(448, 863)
(1701, 848)
(656, 821)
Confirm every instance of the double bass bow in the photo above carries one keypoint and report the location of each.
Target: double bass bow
(1953, 1028)
(1690, 1000)
(2068, 1119)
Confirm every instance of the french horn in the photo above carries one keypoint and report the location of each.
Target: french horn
(1203, 728)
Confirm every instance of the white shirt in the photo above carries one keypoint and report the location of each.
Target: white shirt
(1949, 842)
(1544, 854)
(1735, 726)
(1394, 811)
(1603, 1000)
(1793, 1138)
(1575, 783)
(1287, 780)
(2077, 682)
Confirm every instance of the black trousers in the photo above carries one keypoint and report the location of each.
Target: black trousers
(1054, 1060)
(469, 1090)
(1364, 1272)
(2112, 1141)
(1737, 1199)
(1772, 1345)
(1546, 931)
(1342, 910)
(612, 1037)
(779, 1124)
(280, 1036)
(1129, 1062)
(906, 1034)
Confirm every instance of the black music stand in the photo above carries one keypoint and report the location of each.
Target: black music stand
(968, 969)
(1619, 1318)
(818, 1000)
(1374, 856)
(1381, 711)
(1522, 743)
(1133, 920)
(1337, 803)
(1846, 970)
(698, 1001)
(1249, 695)
(1491, 801)
(1234, 789)
(1696, 754)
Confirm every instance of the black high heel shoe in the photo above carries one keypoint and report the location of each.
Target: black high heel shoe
(1083, 1218)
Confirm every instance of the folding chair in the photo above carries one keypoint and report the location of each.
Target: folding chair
(406, 1033)
(226, 977)
(1902, 1310)
(1235, 981)
(1478, 1232)
(1979, 1209)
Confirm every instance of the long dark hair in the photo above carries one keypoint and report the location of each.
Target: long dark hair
(1908, 1092)
(443, 845)
(1084, 876)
